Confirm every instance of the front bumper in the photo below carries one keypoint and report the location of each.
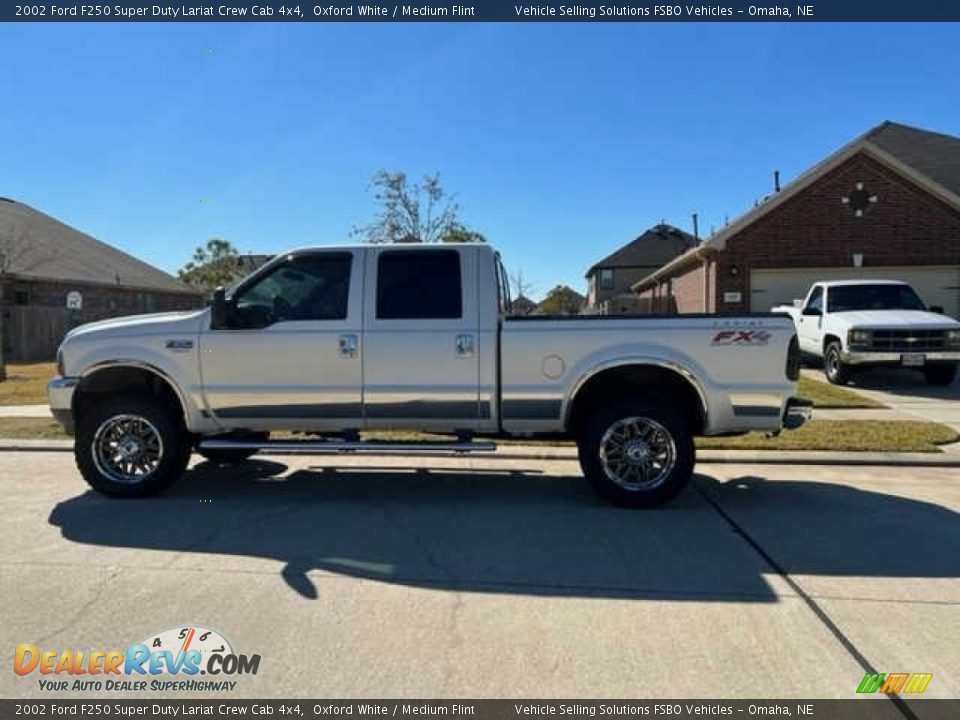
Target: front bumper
(865, 357)
(60, 395)
(796, 412)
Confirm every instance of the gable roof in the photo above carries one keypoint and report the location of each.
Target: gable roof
(932, 154)
(523, 305)
(656, 246)
(929, 159)
(43, 247)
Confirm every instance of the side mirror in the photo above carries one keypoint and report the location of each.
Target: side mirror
(218, 309)
(812, 311)
(937, 309)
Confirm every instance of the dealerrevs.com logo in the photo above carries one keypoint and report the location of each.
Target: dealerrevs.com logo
(170, 660)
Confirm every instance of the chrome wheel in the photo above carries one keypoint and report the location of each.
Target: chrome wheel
(127, 448)
(637, 453)
(833, 363)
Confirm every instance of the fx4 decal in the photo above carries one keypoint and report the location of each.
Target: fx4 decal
(741, 337)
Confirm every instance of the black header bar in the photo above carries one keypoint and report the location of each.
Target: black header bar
(487, 11)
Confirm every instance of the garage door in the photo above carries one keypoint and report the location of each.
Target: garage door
(936, 285)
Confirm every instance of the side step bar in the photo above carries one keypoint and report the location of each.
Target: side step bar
(323, 447)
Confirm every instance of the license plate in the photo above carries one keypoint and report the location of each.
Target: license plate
(912, 359)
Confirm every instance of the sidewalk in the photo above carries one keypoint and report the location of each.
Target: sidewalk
(569, 453)
(21, 411)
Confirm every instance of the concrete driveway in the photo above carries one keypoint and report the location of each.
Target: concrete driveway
(905, 391)
(490, 577)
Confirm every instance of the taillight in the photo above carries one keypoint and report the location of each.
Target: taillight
(793, 359)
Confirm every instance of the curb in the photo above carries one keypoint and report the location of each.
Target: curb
(705, 457)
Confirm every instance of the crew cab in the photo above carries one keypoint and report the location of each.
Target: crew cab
(854, 324)
(329, 342)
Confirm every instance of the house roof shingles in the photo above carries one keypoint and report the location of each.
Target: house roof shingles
(43, 247)
(932, 154)
(658, 245)
(933, 158)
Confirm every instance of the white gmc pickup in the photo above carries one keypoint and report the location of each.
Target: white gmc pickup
(329, 342)
(854, 324)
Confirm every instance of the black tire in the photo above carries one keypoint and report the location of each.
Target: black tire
(833, 367)
(156, 440)
(668, 438)
(940, 374)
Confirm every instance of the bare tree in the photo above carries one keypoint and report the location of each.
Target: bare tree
(414, 212)
(520, 286)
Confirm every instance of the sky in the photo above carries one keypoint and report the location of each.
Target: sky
(561, 141)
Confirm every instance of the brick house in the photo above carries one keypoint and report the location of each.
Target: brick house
(887, 205)
(610, 279)
(43, 260)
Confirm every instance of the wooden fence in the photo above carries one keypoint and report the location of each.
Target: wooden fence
(32, 333)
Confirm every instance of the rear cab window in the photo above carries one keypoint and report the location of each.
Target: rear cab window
(419, 285)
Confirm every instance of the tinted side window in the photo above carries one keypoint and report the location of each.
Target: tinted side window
(816, 299)
(309, 287)
(419, 285)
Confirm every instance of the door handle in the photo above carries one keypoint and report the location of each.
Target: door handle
(348, 346)
(465, 346)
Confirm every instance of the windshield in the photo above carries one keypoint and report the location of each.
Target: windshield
(843, 298)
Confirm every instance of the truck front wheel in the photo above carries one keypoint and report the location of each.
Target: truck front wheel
(131, 446)
(636, 454)
(833, 366)
(940, 373)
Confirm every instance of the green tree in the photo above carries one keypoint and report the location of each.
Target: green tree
(412, 212)
(457, 233)
(212, 265)
(562, 300)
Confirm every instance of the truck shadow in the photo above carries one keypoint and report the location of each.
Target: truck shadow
(509, 531)
(904, 383)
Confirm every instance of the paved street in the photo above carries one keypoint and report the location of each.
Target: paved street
(488, 577)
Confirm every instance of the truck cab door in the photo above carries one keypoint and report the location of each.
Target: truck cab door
(289, 356)
(421, 339)
(810, 322)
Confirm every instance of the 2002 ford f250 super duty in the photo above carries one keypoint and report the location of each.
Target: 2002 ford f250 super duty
(337, 340)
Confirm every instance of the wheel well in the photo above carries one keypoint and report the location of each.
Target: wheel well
(650, 381)
(827, 339)
(112, 381)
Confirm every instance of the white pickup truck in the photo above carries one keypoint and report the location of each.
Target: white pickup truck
(853, 324)
(329, 342)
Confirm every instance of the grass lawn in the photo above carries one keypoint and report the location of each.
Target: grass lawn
(839, 435)
(845, 435)
(825, 395)
(26, 383)
(31, 429)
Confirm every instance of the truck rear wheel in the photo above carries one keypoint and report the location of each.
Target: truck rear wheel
(833, 366)
(636, 454)
(131, 446)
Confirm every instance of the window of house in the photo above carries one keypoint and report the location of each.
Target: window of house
(606, 279)
(419, 285)
(21, 296)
